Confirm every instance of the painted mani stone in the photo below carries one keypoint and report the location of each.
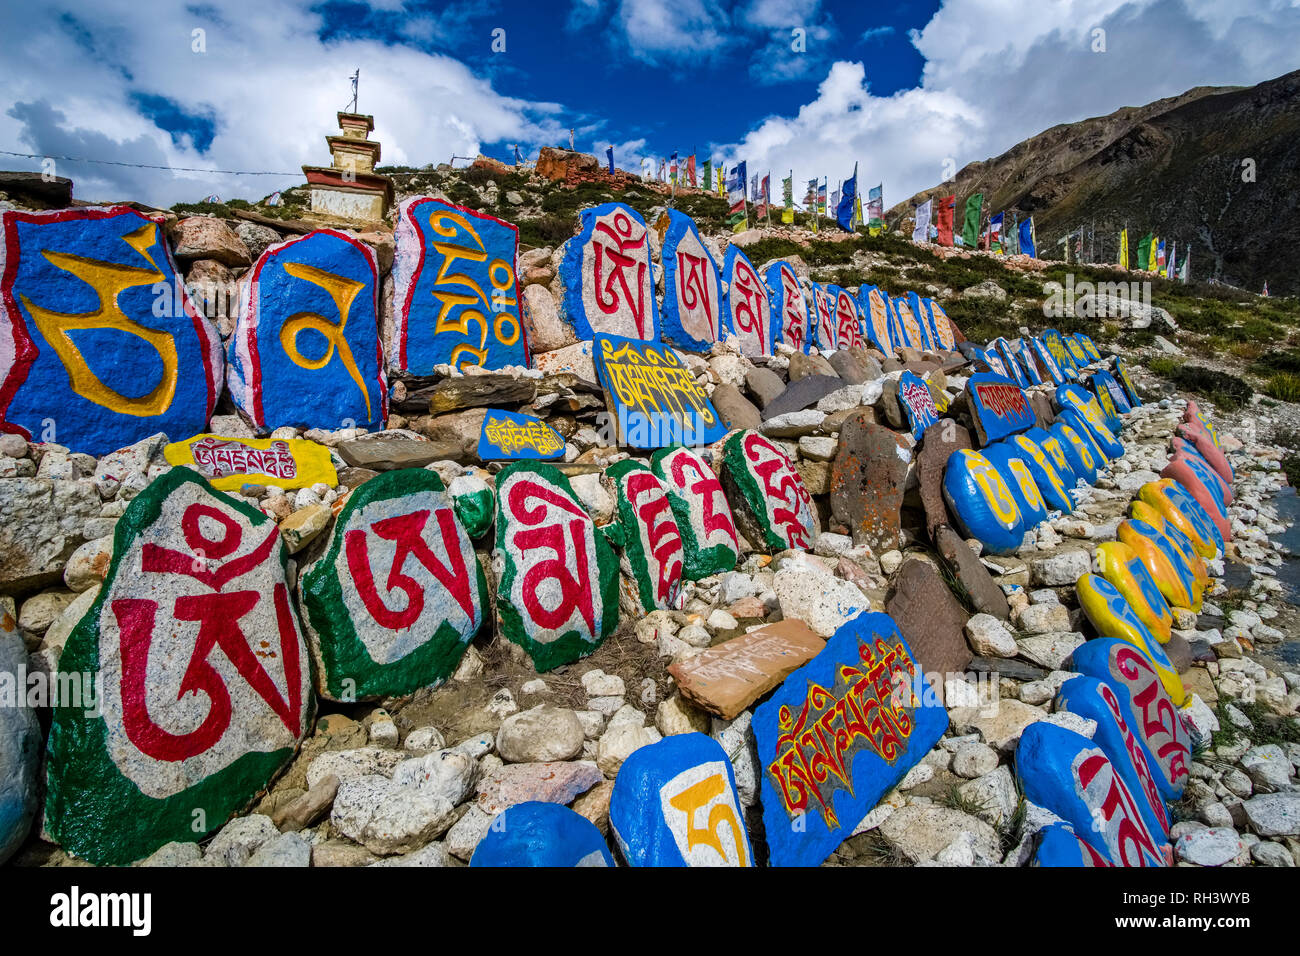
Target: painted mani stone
(918, 403)
(1198, 441)
(1130, 390)
(922, 315)
(1164, 560)
(1055, 345)
(909, 324)
(675, 804)
(515, 436)
(1050, 443)
(1122, 567)
(847, 320)
(1096, 700)
(821, 307)
(692, 313)
(455, 292)
(557, 596)
(775, 509)
(1088, 435)
(981, 501)
(1181, 510)
(1112, 616)
(709, 541)
(788, 306)
(607, 277)
(1079, 453)
(231, 463)
(1010, 464)
(1103, 381)
(91, 356)
(1193, 562)
(878, 324)
(203, 680)
(1047, 361)
(1106, 401)
(838, 734)
(1078, 400)
(1028, 366)
(1048, 479)
(1160, 728)
(651, 542)
(653, 394)
(1011, 363)
(1094, 354)
(1199, 482)
(1060, 846)
(474, 501)
(305, 350)
(541, 834)
(1068, 774)
(998, 407)
(392, 603)
(748, 311)
(941, 324)
(1077, 351)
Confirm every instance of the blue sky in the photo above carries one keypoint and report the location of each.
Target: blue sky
(912, 91)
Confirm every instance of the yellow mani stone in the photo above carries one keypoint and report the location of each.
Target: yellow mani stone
(231, 463)
(1153, 494)
(1141, 511)
(1121, 566)
(1112, 616)
(1166, 562)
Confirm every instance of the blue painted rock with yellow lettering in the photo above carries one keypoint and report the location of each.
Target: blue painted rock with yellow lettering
(1182, 511)
(1088, 421)
(1051, 444)
(305, 350)
(1009, 462)
(1167, 562)
(1122, 567)
(1055, 344)
(1079, 452)
(675, 804)
(101, 344)
(1100, 383)
(1070, 775)
(541, 834)
(981, 501)
(1112, 616)
(1130, 390)
(1052, 374)
(1077, 351)
(1089, 346)
(1059, 846)
(1160, 727)
(1096, 700)
(1051, 485)
(1199, 486)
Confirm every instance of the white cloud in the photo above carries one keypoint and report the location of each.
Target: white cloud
(271, 85)
(665, 31)
(999, 71)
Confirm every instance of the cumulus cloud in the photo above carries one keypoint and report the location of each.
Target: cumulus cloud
(263, 80)
(997, 72)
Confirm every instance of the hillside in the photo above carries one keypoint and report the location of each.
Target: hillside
(1175, 166)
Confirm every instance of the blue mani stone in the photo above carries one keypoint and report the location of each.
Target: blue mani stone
(998, 405)
(878, 321)
(1096, 432)
(1158, 725)
(981, 501)
(847, 320)
(455, 292)
(1028, 365)
(305, 350)
(513, 436)
(1086, 341)
(1106, 401)
(838, 734)
(1010, 463)
(909, 323)
(1047, 361)
(102, 346)
(1011, 363)
(1077, 351)
(922, 319)
(1121, 372)
(789, 306)
(654, 412)
(1056, 346)
(1110, 707)
(1078, 452)
(1103, 380)
(918, 404)
(821, 316)
(1079, 399)
(692, 312)
(1070, 775)
(1058, 845)
(746, 304)
(1054, 488)
(607, 277)
(940, 325)
(675, 804)
(1051, 444)
(541, 834)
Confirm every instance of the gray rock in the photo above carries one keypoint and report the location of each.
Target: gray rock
(764, 385)
(240, 839)
(288, 849)
(1274, 814)
(1211, 846)
(802, 394)
(389, 819)
(1267, 766)
(921, 832)
(974, 759)
(1060, 569)
(541, 734)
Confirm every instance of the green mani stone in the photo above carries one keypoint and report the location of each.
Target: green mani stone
(703, 516)
(773, 499)
(652, 543)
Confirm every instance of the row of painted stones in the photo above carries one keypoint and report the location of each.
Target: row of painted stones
(1112, 792)
(310, 347)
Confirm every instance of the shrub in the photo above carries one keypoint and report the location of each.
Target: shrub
(1284, 386)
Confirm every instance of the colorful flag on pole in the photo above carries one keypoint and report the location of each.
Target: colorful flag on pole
(1173, 257)
(921, 232)
(821, 196)
(722, 186)
(787, 193)
(672, 168)
(1185, 270)
(810, 202)
(1160, 256)
(609, 153)
(708, 175)
(737, 216)
(876, 209)
(857, 211)
(943, 216)
(1144, 252)
(1123, 248)
(690, 170)
(970, 227)
(764, 198)
(995, 233)
(1028, 241)
(847, 202)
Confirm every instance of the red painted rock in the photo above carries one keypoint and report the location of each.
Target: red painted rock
(1197, 434)
(1182, 470)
